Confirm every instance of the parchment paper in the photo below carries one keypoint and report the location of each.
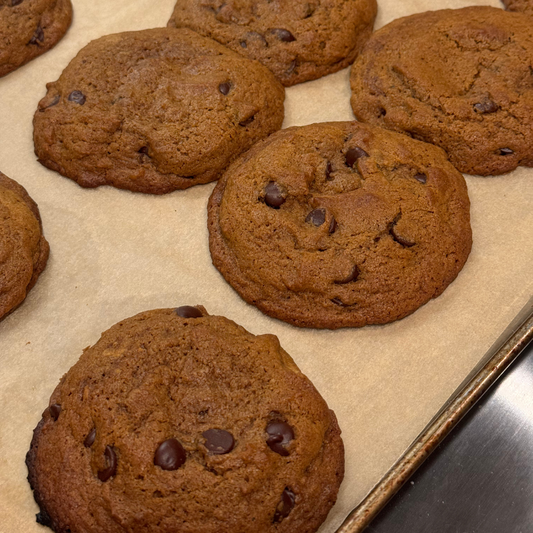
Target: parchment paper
(115, 253)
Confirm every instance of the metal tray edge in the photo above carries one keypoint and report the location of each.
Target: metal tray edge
(497, 359)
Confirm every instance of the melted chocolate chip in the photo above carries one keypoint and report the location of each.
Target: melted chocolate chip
(77, 97)
(55, 409)
(505, 151)
(353, 154)
(422, 178)
(332, 225)
(339, 302)
(15, 2)
(90, 438)
(292, 67)
(354, 274)
(485, 107)
(329, 170)
(43, 518)
(316, 217)
(170, 455)
(279, 435)
(225, 87)
(285, 505)
(399, 239)
(283, 35)
(247, 121)
(54, 102)
(111, 464)
(218, 441)
(187, 311)
(37, 37)
(273, 196)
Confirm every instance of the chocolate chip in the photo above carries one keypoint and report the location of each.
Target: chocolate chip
(332, 225)
(55, 409)
(243, 44)
(399, 239)
(329, 170)
(218, 441)
(15, 2)
(353, 154)
(224, 88)
(422, 178)
(273, 196)
(279, 435)
(77, 97)
(170, 455)
(54, 102)
(316, 216)
(37, 37)
(354, 274)
(111, 464)
(43, 518)
(505, 151)
(187, 311)
(283, 35)
(339, 302)
(485, 107)
(292, 66)
(247, 121)
(143, 150)
(382, 112)
(285, 505)
(90, 438)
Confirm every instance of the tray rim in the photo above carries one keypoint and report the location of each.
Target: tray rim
(491, 367)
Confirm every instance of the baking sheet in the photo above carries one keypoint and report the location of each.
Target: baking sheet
(115, 253)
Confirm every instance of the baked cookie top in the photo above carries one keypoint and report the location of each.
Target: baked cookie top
(525, 6)
(28, 28)
(23, 248)
(154, 111)
(339, 224)
(461, 79)
(179, 421)
(297, 40)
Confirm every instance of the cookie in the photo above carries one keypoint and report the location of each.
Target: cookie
(461, 79)
(28, 28)
(297, 40)
(524, 6)
(339, 225)
(154, 111)
(23, 248)
(179, 421)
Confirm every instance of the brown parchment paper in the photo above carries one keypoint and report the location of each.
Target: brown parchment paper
(115, 253)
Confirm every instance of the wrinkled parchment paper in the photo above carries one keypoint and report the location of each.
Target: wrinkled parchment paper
(115, 253)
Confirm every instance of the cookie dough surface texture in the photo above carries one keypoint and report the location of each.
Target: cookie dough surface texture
(154, 111)
(340, 224)
(525, 6)
(297, 40)
(23, 248)
(28, 28)
(461, 79)
(179, 421)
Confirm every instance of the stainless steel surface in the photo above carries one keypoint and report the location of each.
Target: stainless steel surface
(495, 362)
(480, 480)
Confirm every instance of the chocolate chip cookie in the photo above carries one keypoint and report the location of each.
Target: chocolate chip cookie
(154, 111)
(525, 6)
(23, 248)
(461, 79)
(179, 421)
(28, 28)
(297, 40)
(340, 224)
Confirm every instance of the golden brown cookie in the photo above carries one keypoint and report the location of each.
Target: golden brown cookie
(297, 40)
(340, 224)
(179, 421)
(461, 79)
(23, 248)
(154, 111)
(28, 28)
(524, 6)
